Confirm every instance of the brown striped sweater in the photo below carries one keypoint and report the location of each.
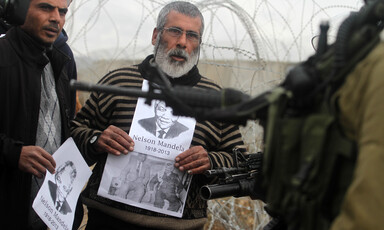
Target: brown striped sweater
(102, 110)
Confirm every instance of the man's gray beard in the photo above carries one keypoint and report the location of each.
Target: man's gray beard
(171, 67)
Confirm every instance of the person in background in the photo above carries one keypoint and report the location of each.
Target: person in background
(101, 127)
(61, 44)
(36, 109)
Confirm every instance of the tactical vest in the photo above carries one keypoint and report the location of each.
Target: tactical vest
(308, 162)
(307, 167)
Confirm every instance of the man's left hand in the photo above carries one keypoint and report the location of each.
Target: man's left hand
(195, 160)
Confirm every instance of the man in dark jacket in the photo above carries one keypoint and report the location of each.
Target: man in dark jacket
(35, 102)
(61, 44)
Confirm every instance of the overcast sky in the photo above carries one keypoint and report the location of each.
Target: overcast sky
(268, 29)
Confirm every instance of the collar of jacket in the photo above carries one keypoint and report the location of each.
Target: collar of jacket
(32, 51)
(61, 39)
(149, 73)
(26, 47)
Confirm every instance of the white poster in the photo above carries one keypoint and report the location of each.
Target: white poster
(145, 181)
(56, 200)
(147, 178)
(157, 132)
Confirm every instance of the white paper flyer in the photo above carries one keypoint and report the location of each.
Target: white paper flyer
(56, 200)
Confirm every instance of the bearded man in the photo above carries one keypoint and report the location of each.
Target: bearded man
(103, 124)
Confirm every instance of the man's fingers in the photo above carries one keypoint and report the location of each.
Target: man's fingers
(199, 170)
(194, 160)
(47, 161)
(35, 160)
(35, 172)
(123, 134)
(40, 170)
(115, 141)
(111, 146)
(196, 166)
(182, 156)
(48, 164)
(124, 143)
(190, 154)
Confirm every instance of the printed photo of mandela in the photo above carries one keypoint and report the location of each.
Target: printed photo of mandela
(164, 124)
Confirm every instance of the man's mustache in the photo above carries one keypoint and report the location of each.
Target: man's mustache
(52, 27)
(179, 52)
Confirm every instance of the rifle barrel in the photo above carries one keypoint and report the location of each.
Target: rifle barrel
(209, 192)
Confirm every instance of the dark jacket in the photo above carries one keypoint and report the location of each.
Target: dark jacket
(61, 44)
(22, 61)
(4, 27)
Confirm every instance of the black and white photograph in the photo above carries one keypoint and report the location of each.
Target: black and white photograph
(168, 187)
(163, 124)
(157, 131)
(62, 186)
(133, 179)
(55, 202)
(147, 182)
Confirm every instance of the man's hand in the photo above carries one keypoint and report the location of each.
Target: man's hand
(35, 160)
(115, 141)
(195, 160)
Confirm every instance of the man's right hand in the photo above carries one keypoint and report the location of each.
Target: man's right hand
(115, 141)
(35, 160)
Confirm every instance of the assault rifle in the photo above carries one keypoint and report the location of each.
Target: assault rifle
(238, 181)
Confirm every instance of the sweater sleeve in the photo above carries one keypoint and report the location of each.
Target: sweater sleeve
(9, 152)
(84, 126)
(223, 155)
(102, 110)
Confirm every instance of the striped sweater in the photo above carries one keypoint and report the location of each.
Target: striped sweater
(102, 110)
